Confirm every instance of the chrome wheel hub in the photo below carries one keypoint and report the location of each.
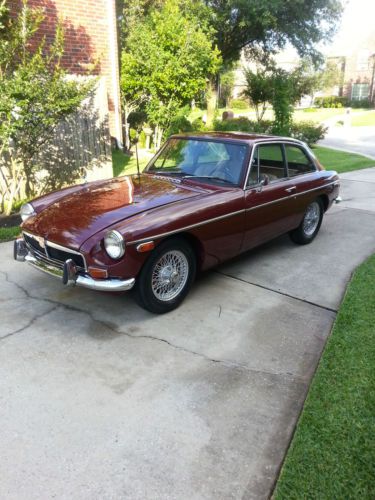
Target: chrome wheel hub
(169, 275)
(311, 219)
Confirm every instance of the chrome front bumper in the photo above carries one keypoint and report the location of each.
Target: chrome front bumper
(68, 274)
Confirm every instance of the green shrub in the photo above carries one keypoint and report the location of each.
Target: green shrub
(243, 124)
(239, 104)
(240, 124)
(331, 101)
(305, 131)
(308, 132)
(178, 124)
(363, 103)
(136, 119)
(142, 139)
(198, 125)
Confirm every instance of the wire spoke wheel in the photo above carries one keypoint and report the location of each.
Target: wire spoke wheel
(311, 219)
(169, 275)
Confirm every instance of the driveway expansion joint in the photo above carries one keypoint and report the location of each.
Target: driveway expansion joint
(56, 305)
(284, 294)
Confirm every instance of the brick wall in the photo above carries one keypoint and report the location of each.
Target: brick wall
(90, 43)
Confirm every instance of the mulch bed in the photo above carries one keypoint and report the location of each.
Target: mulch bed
(10, 220)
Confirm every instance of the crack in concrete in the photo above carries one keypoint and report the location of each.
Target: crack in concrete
(109, 327)
(30, 323)
(277, 291)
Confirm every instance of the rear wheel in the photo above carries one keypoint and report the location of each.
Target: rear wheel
(310, 224)
(166, 277)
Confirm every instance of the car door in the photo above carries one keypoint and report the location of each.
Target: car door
(304, 177)
(268, 196)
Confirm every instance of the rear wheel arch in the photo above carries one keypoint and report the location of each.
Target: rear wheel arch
(325, 200)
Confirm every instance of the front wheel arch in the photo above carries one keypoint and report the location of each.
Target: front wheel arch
(146, 294)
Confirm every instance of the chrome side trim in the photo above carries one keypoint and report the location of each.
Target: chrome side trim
(186, 228)
(203, 223)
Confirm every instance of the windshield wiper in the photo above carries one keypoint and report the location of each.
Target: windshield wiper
(208, 177)
(164, 172)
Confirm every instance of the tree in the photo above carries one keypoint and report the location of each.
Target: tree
(35, 96)
(272, 24)
(266, 27)
(166, 60)
(227, 78)
(330, 75)
(281, 88)
(259, 89)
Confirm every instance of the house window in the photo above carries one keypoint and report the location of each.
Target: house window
(360, 91)
(363, 60)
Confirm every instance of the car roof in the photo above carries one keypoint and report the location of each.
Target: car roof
(235, 136)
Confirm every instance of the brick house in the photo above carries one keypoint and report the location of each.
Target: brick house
(357, 66)
(91, 45)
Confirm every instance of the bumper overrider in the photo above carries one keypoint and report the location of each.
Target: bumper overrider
(68, 272)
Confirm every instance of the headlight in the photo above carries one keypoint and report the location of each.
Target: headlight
(114, 244)
(27, 210)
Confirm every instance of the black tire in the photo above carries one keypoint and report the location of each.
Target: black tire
(308, 229)
(172, 260)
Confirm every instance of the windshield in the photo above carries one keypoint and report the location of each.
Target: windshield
(212, 160)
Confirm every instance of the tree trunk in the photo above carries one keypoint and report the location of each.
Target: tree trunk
(127, 128)
(212, 99)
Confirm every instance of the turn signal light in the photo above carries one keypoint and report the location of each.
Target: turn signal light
(146, 247)
(97, 273)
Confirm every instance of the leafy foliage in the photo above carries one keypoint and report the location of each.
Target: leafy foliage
(259, 90)
(165, 63)
(35, 95)
(331, 102)
(227, 79)
(268, 26)
(308, 132)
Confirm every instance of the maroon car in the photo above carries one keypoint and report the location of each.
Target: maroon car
(202, 199)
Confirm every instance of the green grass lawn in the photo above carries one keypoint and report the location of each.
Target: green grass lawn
(365, 119)
(332, 454)
(332, 159)
(124, 164)
(9, 233)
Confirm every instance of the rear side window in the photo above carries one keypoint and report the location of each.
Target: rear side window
(298, 161)
(268, 162)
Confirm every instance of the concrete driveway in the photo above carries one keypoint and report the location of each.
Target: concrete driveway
(101, 400)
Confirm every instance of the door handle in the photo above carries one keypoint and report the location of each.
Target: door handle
(291, 189)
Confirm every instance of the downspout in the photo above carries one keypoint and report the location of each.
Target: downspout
(113, 47)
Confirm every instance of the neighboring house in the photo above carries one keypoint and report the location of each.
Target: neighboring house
(357, 66)
(91, 46)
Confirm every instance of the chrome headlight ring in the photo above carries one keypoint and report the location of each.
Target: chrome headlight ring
(27, 210)
(114, 244)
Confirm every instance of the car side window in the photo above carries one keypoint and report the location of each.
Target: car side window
(298, 161)
(267, 165)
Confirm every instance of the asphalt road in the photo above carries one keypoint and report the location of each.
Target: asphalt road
(101, 400)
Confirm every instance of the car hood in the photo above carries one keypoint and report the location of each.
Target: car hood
(76, 216)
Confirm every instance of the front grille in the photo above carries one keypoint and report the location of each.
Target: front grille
(42, 249)
(33, 243)
(63, 255)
